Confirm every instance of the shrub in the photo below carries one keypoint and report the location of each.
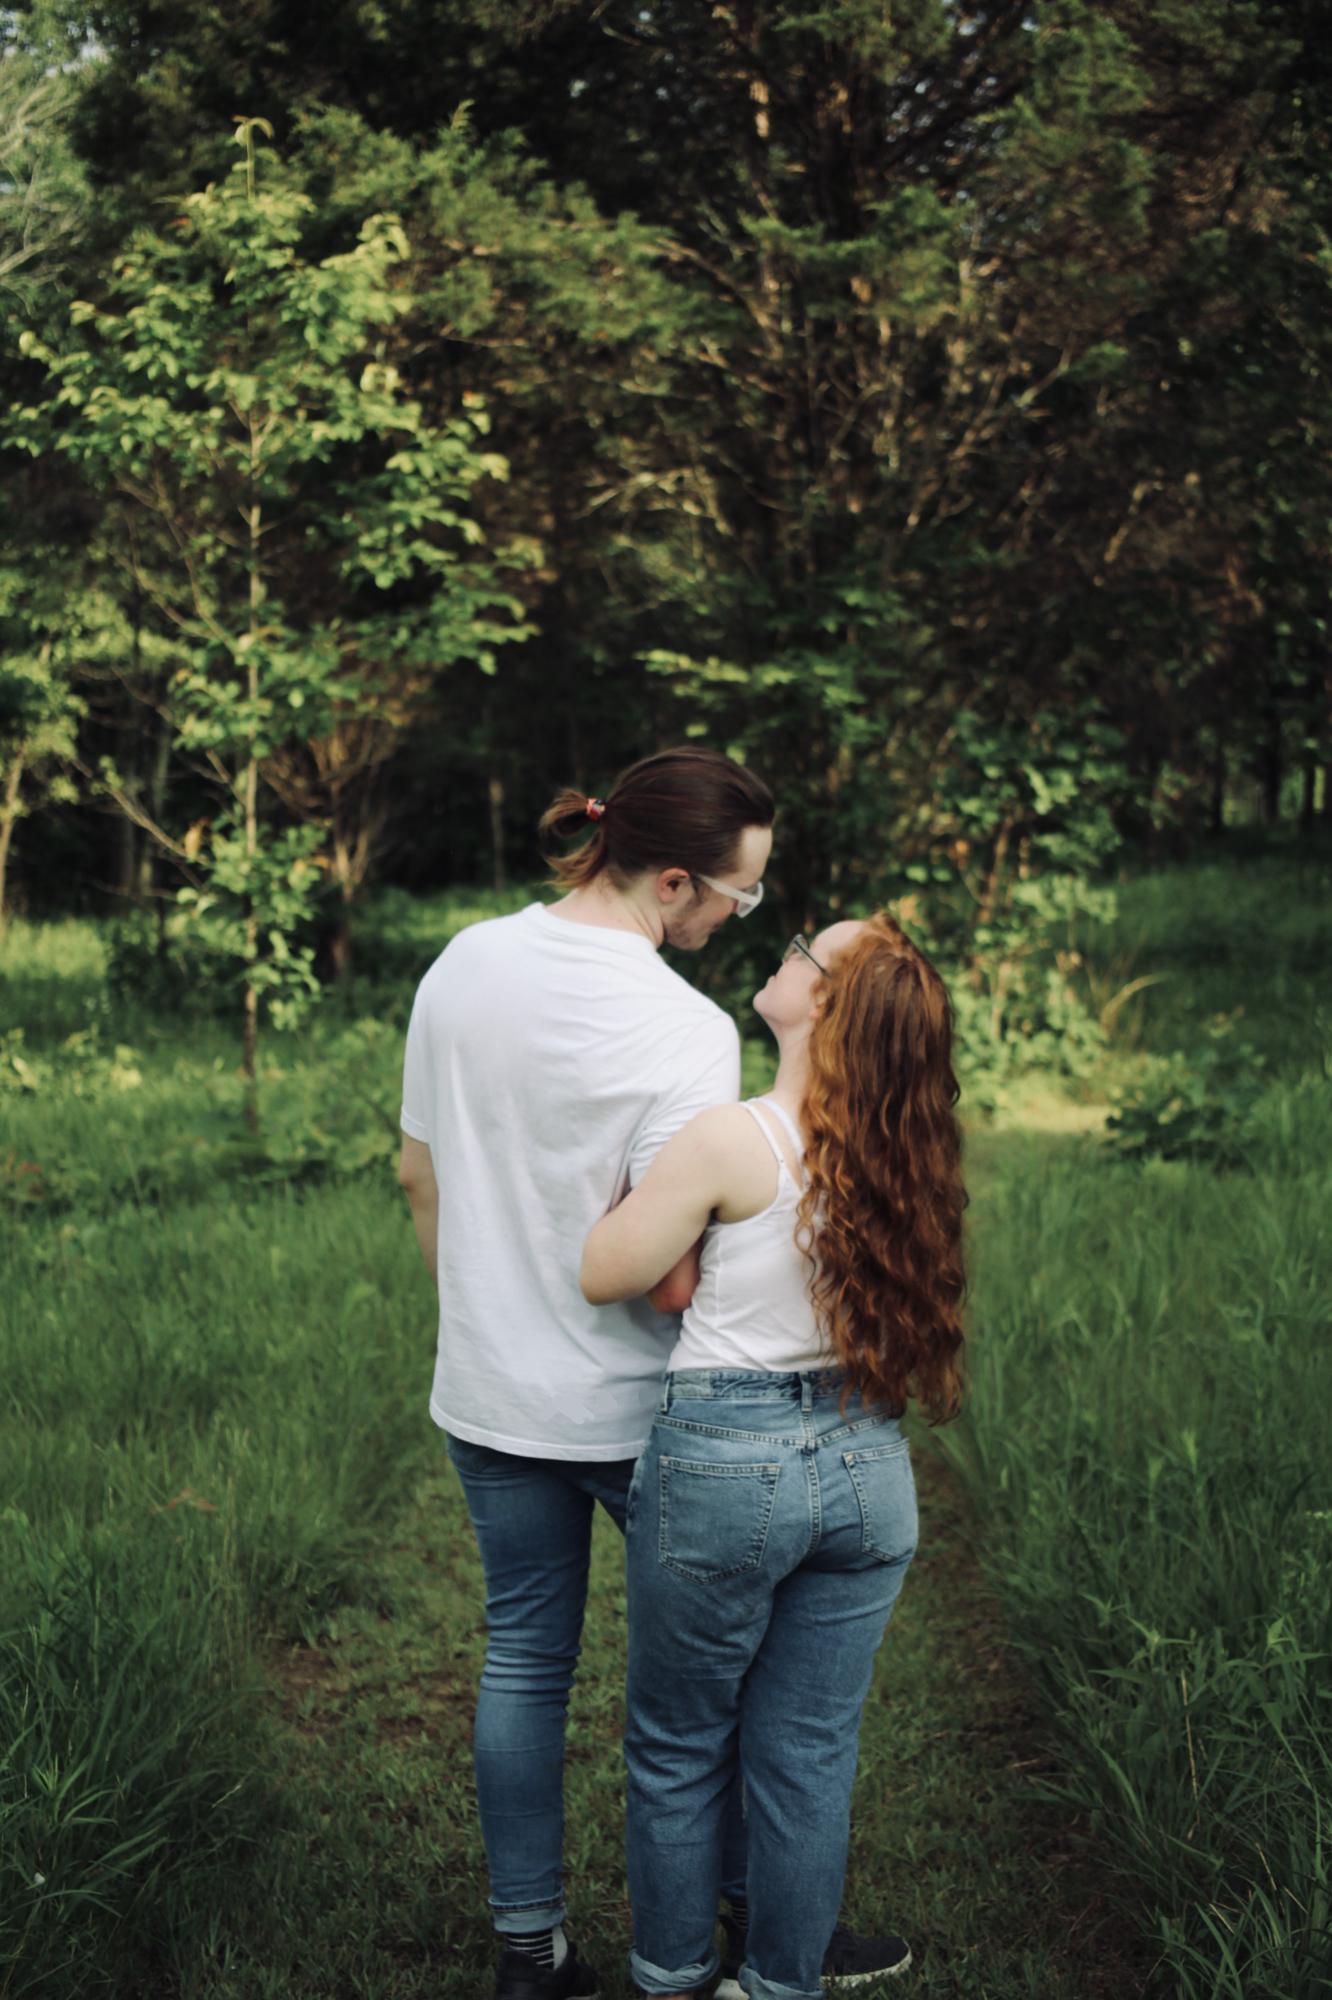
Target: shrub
(1192, 1107)
(170, 964)
(81, 1065)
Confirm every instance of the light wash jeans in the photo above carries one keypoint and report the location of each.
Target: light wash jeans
(533, 1523)
(768, 1538)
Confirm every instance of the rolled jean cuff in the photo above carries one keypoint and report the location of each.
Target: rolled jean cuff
(649, 1978)
(759, 1988)
(515, 1920)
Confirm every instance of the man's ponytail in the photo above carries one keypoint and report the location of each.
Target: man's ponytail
(569, 814)
(682, 808)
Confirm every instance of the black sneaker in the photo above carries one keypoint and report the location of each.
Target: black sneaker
(519, 1977)
(852, 1960)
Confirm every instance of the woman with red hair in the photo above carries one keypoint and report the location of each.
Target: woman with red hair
(772, 1515)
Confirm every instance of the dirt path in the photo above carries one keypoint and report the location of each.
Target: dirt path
(382, 1892)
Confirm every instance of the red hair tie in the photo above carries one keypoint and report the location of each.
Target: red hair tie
(595, 809)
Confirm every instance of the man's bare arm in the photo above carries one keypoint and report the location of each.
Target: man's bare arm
(416, 1175)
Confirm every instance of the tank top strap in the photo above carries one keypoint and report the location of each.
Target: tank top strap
(792, 1129)
(751, 1105)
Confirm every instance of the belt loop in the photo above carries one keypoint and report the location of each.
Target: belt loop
(806, 1394)
(665, 1403)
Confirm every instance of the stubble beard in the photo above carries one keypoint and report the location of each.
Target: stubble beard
(680, 934)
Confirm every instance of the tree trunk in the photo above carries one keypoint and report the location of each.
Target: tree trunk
(1309, 759)
(1271, 768)
(9, 812)
(250, 1022)
(250, 1016)
(1219, 777)
(341, 954)
(990, 892)
(575, 739)
(158, 772)
(130, 847)
(132, 844)
(495, 790)
(340, 950)
(357, 823)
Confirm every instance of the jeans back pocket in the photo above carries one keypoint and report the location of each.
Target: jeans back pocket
(886, 1492)
(714, 1518)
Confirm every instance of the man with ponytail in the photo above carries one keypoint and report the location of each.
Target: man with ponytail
(551, 1054)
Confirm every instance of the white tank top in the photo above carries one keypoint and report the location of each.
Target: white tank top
(752, 1308)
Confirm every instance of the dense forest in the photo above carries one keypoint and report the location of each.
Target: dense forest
(410, 407)
(414, 406)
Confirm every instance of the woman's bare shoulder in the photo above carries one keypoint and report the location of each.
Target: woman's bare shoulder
(724, 1125)
(720, 1137)
(720, 1152)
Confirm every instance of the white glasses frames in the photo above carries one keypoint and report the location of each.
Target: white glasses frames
(746, 900)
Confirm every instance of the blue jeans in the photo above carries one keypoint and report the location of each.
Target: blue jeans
(533, 1523)
(768, 1538)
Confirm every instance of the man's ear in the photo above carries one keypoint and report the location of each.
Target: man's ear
(671, 883)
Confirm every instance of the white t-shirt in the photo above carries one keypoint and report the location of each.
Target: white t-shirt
(546, 1063)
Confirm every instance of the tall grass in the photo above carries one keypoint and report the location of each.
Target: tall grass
(52, 976)
(1252, 914)
(210, 1412)
(131, 1791)
(1147, 1436)
(1250, 935)
(213, 1359)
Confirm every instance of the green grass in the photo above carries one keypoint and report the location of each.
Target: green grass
(137, 1779)
(207, 1425)
(1148, 1435)
(52, 976)
(240, 1605)
(949, 1840)
(1250, 937)
(236, 1473)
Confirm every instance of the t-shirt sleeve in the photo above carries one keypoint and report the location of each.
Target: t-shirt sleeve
(417, 1086)
(706, 1073)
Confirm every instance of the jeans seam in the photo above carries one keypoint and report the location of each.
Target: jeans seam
(850, 1429)
(722, 1431)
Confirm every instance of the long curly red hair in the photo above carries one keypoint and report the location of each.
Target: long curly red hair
(881, 1213)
